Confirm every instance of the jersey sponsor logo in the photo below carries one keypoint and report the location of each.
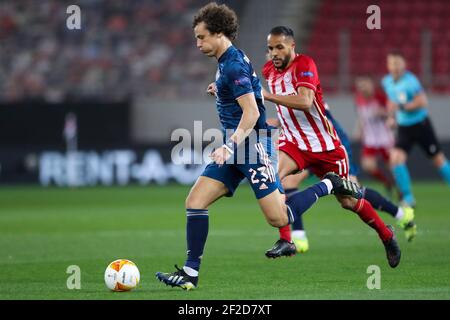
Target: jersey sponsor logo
(306, 74)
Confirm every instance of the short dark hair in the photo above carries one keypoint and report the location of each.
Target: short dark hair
(396, 53)
(282, 30)
(218, 19)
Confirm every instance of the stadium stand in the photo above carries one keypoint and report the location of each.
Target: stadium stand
(124, 48)
(402, 24)
(134, 48)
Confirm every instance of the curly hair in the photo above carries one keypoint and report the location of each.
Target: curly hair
(218, 19)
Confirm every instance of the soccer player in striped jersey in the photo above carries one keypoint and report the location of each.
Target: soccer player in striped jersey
(376, 137)
(309, 140)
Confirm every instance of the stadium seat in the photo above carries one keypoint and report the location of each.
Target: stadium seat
(402, 24)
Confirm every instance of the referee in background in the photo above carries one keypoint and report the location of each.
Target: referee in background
(408, 101)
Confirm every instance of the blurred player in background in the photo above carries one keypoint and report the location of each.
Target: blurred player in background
(240, 108)
(377, 139)
(408, 101)
(309, 140)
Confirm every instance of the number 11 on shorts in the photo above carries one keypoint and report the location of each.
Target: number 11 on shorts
(342, 167)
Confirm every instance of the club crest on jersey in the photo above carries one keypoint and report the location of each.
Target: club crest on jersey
(287, 77)
(307, 74)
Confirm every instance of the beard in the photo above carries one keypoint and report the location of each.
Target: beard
(284, 62)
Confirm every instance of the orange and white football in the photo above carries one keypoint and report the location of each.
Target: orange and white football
(122, 275)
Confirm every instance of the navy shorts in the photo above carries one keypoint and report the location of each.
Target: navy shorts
(262, 174)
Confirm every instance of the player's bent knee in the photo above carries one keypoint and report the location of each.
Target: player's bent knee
(277, 222)
(274, 209)
(195, 202)
(397, 157)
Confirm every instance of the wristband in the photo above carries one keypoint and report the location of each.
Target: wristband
(230, 145)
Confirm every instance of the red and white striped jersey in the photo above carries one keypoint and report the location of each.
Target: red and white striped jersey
(375, 132)
(309, 130)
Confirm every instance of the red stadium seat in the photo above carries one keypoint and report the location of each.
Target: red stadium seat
(402, 24)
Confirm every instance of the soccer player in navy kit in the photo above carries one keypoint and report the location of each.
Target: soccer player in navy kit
(240, 107)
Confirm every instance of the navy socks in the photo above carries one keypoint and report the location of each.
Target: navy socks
(196, 233)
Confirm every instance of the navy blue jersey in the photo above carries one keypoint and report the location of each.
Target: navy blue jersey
(255, 159)
(235, 77)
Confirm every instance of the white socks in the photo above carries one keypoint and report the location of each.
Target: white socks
(190, 272)
(399, 214)
(299, 234)
(328, 184)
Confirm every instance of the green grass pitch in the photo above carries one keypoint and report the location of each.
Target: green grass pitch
(45, 230)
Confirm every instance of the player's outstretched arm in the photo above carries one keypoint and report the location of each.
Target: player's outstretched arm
(302, 101)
